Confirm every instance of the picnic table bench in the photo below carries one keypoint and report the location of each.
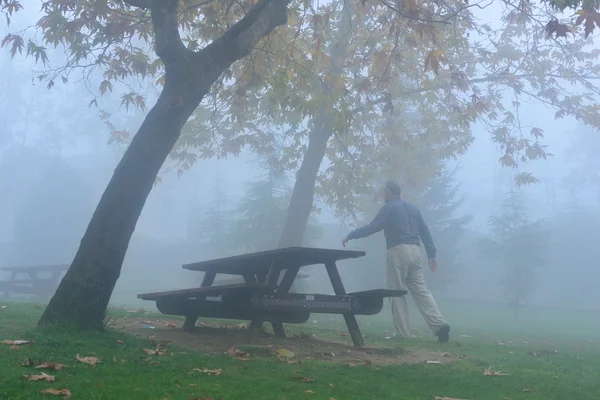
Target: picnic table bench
(39, 280)
(264, 297)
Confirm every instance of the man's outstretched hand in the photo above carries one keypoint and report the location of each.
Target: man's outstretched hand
(433, 265)
(344, 241)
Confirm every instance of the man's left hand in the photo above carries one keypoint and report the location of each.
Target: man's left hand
(433, 265)
(344, 241)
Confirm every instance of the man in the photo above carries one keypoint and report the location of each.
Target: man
(403, 225)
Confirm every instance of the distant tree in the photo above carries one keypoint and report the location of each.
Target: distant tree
(518, 244)
(50, 219)
(440, 204)
(214, 226)
(261, 212)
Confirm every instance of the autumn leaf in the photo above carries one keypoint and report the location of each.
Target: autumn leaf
(303, 379)
(17, 342)
(17, 44)
(489, 372)
(88, 360)
(558, 29)
(434, 59)
(57, 392)
(591, 18)
(47, 365)
(241, 355)
(158, 351)
(284, 354)
(446, 398)
(209, 372)
(42, 377)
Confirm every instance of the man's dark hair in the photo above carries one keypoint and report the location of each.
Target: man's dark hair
(393, 187)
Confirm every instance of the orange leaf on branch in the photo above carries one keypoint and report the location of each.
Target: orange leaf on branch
(591, 18)
(434, 59)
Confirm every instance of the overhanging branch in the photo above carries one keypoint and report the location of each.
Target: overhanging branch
(240, 39)
(138, 3)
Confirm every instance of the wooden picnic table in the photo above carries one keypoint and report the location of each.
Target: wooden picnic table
(39, 280)
(266, 298)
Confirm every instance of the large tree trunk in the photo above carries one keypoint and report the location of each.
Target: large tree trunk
(83, 295)
(302, 199)
(84, 292)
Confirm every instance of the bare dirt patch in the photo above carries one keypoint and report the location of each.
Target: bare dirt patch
(214, 338)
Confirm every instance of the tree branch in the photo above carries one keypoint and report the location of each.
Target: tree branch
(240, 39)
(138, 3)
(167, 43)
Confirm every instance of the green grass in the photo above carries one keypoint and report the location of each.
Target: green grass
(569, 374)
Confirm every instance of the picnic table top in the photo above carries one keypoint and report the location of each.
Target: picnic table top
(32, 268)
(285, 258)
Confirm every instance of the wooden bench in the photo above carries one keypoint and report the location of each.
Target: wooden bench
(34, 284)
(266, 297)
(193, 301)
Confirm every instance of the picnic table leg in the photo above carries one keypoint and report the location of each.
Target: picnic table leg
(338, 288)
(13, 276)
(277, 326)
(190, 320)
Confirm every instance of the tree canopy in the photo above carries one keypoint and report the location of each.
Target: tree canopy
(404, 87)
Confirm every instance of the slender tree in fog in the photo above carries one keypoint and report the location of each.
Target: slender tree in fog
(518, 245)
(441, 205)
(214, 227)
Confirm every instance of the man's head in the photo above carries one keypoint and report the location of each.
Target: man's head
(391, 190)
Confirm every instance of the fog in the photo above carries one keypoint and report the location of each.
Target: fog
(55, 162)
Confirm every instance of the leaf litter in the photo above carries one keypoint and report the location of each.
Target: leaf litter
(88, 360)
(209, 372)
(239, 354)
(42, 377)
(57, 392)
(489, 372)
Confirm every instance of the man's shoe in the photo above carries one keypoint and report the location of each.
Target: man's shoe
(443, 334)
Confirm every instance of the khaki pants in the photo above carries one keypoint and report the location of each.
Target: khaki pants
(405, 272)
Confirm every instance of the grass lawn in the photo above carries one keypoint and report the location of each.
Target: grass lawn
(485, 336)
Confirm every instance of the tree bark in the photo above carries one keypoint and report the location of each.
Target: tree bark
(302, 199)
(83, 295)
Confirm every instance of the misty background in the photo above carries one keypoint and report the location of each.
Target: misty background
(57, 156)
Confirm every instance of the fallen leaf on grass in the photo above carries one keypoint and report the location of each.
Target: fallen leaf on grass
(445, 398)
(526, 390)
(120, 341)
(57, 392)
(42, 377)
(209, 372)
(284, 354)
(114, 359)
(308, 391)
(303, 379)
(489, 372)
(158, 351)
(88, 360)
(17, 342)
(47, 365)
(241, 355)
(542, 353)
(171, 325)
